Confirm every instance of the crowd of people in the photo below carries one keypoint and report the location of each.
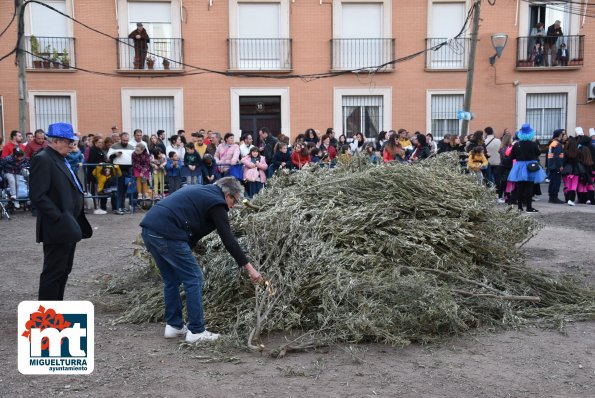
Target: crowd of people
(144, 167)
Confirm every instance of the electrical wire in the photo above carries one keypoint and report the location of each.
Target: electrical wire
(195, 70)
(14, 14)
(576, 9)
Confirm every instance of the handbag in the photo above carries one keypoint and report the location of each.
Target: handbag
(567, 169)
(237, 171)
(533, 166)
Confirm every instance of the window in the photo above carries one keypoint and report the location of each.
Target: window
(547, 12)
(152, 109)
(161, 20)
(258, 37)
(546, 113)
(53, 32)
(547, 108)
(363, 114)
(153, 113)
(50, 107)
(446, 21)
(362, 34)
(443, 114)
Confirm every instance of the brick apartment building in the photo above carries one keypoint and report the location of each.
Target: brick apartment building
(282, 38)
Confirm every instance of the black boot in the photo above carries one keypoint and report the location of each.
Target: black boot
(591, 197)
(582, 197)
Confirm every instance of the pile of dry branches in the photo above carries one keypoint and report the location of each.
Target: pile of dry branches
(393, 254)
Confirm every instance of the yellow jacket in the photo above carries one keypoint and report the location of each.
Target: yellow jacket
(476, 162)
(101, 178)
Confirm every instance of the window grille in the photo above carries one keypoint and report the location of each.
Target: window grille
(363, 114)
(52, 109)
(153, 113)
(546, 113)
(444, 114)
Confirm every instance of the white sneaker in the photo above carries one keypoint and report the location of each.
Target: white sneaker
(171, 332)
(16, 204)
(500, 200)
(99, 211)
(204, 336)
(570, 203)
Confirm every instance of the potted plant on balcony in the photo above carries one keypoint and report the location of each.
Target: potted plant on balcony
(165, 63)
(65, 59)
(47, 53)
(35, 51)
(150, 62)
(55, 59)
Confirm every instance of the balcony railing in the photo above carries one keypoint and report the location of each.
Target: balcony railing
(259, 54)
(532, 56)
(348, 54)
(49, 53)
(162, 54)
(454, 55)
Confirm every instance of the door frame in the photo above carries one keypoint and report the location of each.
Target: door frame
(236, 93)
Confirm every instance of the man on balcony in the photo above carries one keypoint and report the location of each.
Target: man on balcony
(141, 40)
(553, 32)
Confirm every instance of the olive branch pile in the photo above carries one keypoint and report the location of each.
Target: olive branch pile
(393, 254)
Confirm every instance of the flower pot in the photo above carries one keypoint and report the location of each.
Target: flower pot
(150, 64)
(66, 64)
(165, 64)
(55, 64)
(37, 64)
(46, 64)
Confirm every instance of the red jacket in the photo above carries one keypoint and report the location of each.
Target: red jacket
(9, 147)
(298, 160)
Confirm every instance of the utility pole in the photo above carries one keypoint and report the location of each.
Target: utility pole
(22, 65)
(470, 69)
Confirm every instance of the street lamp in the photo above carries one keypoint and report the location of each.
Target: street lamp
(498, 42)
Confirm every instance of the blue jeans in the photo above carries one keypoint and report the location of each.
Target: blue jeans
(178, 265)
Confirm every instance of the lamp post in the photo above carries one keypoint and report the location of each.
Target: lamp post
(498, 42)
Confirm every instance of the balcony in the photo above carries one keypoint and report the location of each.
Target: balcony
(451, 56)
(349, 54)
(272, 55)
(162, 55)
(49, 54)
(528, 59)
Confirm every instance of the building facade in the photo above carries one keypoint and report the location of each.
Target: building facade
(237, 65)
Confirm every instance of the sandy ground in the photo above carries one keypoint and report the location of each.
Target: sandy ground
(135, 360)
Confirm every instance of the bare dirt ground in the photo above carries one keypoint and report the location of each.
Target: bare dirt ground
(135, 360)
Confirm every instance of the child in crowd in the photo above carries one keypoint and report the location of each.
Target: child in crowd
(300, 156)
(12, 166)
(372, 157)
(158, 163)
(315, 155)
(107, 182)
(537, 54)
(282, 158)
(174, 172)
(344, 155)
(254, 168)
(209, 169)
(141, 169)
(570, 170)
(192, 170)
(76, 159)
(477, 162)
(585, 179)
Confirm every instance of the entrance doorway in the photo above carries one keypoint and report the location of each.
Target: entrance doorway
(260, 111)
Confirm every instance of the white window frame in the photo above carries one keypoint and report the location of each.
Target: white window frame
(177, 93)
(50, 93)
(284, 31)
(430, 2)
(523, 22)
(387, 13)
(387, 104)
(237, 92)
(176, 16)
(569, 89)
(429, 94)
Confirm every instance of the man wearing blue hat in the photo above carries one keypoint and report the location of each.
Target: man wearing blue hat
(57, 194)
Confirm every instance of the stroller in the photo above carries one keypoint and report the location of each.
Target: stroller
(8, 205)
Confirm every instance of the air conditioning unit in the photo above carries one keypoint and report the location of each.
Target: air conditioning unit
(591, 92)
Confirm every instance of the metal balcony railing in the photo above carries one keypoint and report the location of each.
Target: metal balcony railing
(454, 55)
(259, 54)
(534, 52)
(162, 54)
(49, 53)
(348, 54)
